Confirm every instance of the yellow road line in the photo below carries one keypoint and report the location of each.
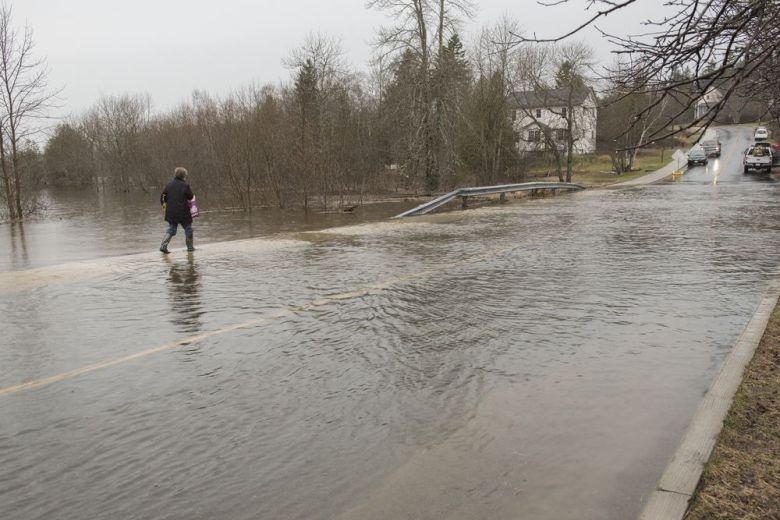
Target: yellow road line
(357, 293)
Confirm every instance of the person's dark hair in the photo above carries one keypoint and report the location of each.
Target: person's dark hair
(180, 173)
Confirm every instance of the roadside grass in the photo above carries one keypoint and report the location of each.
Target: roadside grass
(742, 478)
(596, 169)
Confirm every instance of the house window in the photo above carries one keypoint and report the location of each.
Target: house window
(538, 112)
(561, 134)
(534, 136)
(563, 112)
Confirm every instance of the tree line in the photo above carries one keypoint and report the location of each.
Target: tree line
(329, 135)
(431, 113)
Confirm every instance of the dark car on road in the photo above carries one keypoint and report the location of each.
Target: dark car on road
(711, 148)
(697, 155)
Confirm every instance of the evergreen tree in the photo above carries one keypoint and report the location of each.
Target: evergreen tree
(568, 77)
(307, 97)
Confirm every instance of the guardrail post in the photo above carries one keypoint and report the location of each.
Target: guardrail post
(535, 189)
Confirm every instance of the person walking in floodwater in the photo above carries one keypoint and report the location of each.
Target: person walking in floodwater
(175, 202)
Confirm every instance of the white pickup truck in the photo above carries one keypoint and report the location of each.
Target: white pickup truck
(758, 158)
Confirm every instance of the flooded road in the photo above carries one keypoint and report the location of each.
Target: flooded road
(535, 360)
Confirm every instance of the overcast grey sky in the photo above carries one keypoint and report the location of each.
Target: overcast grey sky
(168, 48)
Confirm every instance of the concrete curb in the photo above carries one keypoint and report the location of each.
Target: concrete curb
(670, 499)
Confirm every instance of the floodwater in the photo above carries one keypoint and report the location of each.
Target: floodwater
(84, 225)
(533, 360)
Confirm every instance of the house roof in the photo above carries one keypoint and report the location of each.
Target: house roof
(548, 98)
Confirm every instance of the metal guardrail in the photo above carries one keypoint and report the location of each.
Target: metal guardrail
(464, 193)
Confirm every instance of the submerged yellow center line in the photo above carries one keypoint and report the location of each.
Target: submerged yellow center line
(357, 293)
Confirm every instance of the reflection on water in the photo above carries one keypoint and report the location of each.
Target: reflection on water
(17, 246)
(184, 295)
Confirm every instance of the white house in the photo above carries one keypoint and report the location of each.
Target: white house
(712, 97)
(540, 117)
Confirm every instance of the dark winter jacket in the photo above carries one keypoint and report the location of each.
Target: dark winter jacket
(176, 194)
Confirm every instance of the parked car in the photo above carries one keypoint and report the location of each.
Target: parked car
(758, 158)
(697, 155)
(711, 148)
(761, 134)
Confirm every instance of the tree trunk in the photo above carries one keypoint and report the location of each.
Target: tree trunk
(569, 144)
(9, 195)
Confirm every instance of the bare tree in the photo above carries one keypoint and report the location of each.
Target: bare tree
(574, 60)
(627, 117)
(68, 157)
(24, 101)
(119, 125)
(271, 134)
(326, 54)
(558, 105)
(320, 77)
(732, 45)
(535, 127)
(489, 145)
(419, 35)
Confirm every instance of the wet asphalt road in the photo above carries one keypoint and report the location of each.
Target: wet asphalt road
(534, 360)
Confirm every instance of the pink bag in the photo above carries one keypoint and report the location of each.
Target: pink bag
(194, 211)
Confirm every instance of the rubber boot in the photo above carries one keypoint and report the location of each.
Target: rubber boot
(189, 240)
(164, 245)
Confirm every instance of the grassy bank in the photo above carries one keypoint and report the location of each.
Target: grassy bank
(596, 170)
(742, 478)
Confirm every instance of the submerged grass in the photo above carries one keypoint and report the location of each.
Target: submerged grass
(742, 478)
